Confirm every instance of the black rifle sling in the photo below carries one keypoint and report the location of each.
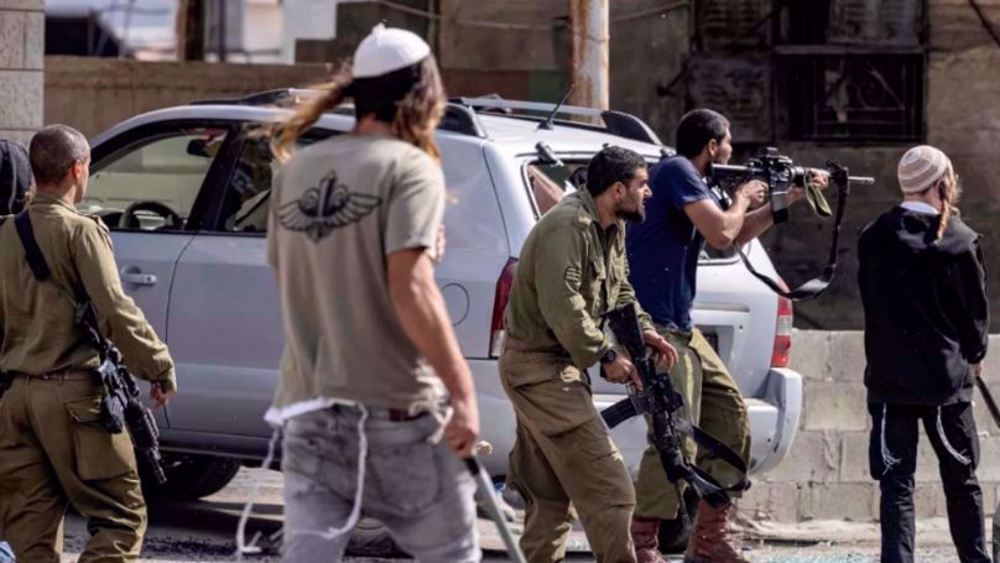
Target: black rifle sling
(625, 409)
(36, 261)
(40, 268)
(819, 284)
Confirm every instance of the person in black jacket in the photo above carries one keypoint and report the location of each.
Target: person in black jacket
(923, 287)
(16, 178)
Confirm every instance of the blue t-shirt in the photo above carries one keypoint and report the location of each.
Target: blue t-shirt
(663, 250)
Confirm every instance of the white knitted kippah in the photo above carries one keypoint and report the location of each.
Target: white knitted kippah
(920, 168)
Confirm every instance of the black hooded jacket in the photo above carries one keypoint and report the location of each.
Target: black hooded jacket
(926, 314)
(15, 177)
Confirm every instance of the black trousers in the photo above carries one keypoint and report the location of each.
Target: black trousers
(892, 454)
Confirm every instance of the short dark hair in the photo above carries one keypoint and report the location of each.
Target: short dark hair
(54, 150)
(697, 128)
(612, 164)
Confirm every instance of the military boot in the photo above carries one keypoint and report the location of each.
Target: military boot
(711, 541)
(645, 537)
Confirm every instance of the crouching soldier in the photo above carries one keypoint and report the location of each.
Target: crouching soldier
(573, 271)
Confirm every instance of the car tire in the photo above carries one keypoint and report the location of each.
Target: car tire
(190, 477)
(674, 534)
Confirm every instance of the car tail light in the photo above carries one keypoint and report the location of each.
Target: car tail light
(497, 332)
(782, 334)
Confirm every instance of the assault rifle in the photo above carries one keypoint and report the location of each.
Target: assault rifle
(780, 173)
(659, 401)
(121, 407)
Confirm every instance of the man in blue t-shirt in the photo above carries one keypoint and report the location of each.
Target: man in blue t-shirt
(663, 256)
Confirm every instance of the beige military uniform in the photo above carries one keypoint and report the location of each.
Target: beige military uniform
(53, 451)
(571, 274)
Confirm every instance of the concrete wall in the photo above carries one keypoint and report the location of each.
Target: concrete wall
(22, 41)
(825, 475)
(963, 116)
(93, 94)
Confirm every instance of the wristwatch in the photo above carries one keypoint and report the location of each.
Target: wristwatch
(609, 356)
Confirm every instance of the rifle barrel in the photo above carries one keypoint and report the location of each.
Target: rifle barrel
(864, 180)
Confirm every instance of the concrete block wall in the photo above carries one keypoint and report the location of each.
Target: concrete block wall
(825, 475)
(93, 94)
(22, 45)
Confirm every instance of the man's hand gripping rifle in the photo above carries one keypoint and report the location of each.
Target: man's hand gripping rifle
(120, 407)
(660, 402)
(123, 407)
(781, 175)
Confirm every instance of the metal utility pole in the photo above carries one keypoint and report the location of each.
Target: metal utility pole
(591, 52)
(221, 16)
(191, 30)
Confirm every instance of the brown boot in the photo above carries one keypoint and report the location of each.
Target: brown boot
(711, 541)
(646, 540)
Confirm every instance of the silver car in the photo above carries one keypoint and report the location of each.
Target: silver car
(185, 192)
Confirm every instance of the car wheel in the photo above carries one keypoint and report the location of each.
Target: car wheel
(190, 477)
(674, 534)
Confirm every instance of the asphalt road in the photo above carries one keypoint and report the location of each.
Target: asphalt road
(205, 531)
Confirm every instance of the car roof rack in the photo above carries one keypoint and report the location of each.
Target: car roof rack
(615, 122)
(458, 118)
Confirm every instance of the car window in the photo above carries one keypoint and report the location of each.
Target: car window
(248, 193)
(548, 183)
(152, 185)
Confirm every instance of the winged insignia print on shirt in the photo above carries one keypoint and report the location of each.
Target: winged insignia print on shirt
(326, 207)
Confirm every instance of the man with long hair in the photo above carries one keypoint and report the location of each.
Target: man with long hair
(923, 287)
(374, 390)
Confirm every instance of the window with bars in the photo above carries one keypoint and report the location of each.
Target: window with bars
(872, 96)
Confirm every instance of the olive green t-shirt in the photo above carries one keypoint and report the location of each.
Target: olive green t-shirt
(339, 209)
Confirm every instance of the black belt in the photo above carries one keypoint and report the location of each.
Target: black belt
(400, 415)
(63, 375)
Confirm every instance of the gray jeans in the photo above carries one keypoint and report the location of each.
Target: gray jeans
(419, 489)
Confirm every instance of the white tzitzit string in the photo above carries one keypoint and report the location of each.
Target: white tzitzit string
(241, 546)
(333, 533)
(947, 445)
(887, 458)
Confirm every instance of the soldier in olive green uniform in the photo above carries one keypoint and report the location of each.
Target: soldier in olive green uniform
(573, 271)
(53, 450)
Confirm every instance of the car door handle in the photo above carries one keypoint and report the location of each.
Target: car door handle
(135, 277)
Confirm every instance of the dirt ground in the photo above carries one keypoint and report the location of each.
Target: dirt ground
(205, 531)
